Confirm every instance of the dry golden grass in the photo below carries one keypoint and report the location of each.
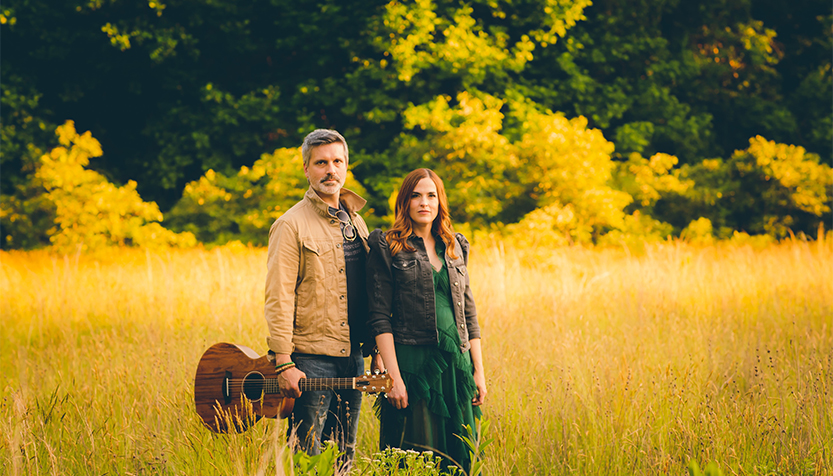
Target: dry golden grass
(599, 361)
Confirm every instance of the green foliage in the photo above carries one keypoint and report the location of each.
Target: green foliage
(695, 80)
(25, 214)
(398, 462)
(477, 442)
(322, 464)
(712, 469)
(513, 103)
(26, 217)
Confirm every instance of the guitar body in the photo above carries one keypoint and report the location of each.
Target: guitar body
(234, 388)
(229, 389)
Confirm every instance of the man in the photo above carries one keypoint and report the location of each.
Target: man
(316, 304)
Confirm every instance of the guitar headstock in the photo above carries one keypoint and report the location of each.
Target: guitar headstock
(374, 383)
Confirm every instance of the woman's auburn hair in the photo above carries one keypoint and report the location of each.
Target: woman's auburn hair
(397, 236)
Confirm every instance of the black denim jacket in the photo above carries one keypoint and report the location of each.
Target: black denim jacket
(401, 292)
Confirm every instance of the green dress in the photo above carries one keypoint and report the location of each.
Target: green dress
(440, 389)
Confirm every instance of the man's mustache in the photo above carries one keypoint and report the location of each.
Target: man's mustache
(331, 177)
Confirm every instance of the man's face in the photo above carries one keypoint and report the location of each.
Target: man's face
(327, 168)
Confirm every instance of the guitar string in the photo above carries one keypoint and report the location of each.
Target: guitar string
(330, 384)
(348, 384)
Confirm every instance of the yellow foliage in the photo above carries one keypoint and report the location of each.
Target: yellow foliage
(647, 179)
(417, 37)
(243, 206)
(799, 172)
(558, 165)
(699, 232)
(571, 168)
(740, 238)
(468, 151)
(92, 213)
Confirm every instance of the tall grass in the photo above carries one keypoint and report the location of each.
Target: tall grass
(599, 361)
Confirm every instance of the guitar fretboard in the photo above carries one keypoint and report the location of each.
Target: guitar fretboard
(309, 384)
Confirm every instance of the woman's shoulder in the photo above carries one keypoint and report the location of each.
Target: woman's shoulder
(377, 239)
(464, 245)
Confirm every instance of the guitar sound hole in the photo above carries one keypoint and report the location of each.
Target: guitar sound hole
(253, 386)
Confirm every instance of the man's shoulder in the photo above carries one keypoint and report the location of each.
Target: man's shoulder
(297, 212)
(292, 218)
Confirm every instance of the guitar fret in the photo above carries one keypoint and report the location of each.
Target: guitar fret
(312, 384)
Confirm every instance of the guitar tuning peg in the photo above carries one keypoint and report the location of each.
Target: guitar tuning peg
(375, 372)
(367, 372)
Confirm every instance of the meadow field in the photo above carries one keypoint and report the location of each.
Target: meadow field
(599, 361)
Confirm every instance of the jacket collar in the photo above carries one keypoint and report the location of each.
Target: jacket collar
(351, 201)
(419, 243)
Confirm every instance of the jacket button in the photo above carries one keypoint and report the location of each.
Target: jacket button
(343, 351)
(338, 245)
(341, 297)
(455, 283)
(343, 324)
(332, 222)
(462, 326)
(459, 303)
(342, 270)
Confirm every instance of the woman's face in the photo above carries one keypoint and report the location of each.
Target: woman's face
(424, 204)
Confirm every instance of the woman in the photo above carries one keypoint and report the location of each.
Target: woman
(423, 317)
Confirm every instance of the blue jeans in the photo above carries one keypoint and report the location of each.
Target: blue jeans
(331, 414)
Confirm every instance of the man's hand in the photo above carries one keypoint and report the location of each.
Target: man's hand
(288, 379)
(288, 382)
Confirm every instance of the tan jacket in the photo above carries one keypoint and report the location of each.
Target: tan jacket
(306, 281)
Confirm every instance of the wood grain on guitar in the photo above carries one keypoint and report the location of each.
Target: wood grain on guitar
(234, 388)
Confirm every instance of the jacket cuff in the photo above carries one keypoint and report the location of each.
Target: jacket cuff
(379, 323)
(473, 327)
(280, 346)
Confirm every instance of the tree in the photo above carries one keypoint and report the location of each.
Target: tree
(693, 79)
(91, 213)
(768, 188)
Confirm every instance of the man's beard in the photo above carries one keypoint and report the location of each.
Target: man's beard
(328, 189)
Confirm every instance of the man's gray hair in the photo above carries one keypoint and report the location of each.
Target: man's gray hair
(321, 137)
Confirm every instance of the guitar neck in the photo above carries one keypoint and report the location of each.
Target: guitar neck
(309, 384)
(270, 385)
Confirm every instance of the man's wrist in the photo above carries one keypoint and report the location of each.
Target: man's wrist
(282, 359)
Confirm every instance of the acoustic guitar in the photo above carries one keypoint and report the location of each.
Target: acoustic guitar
(234, 388)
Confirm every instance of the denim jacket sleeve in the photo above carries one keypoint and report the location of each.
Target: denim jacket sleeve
(379, 284)
(470, 309)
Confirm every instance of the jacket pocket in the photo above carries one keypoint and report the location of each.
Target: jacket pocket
(405, 272)
(461, 275)
(310, 292)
